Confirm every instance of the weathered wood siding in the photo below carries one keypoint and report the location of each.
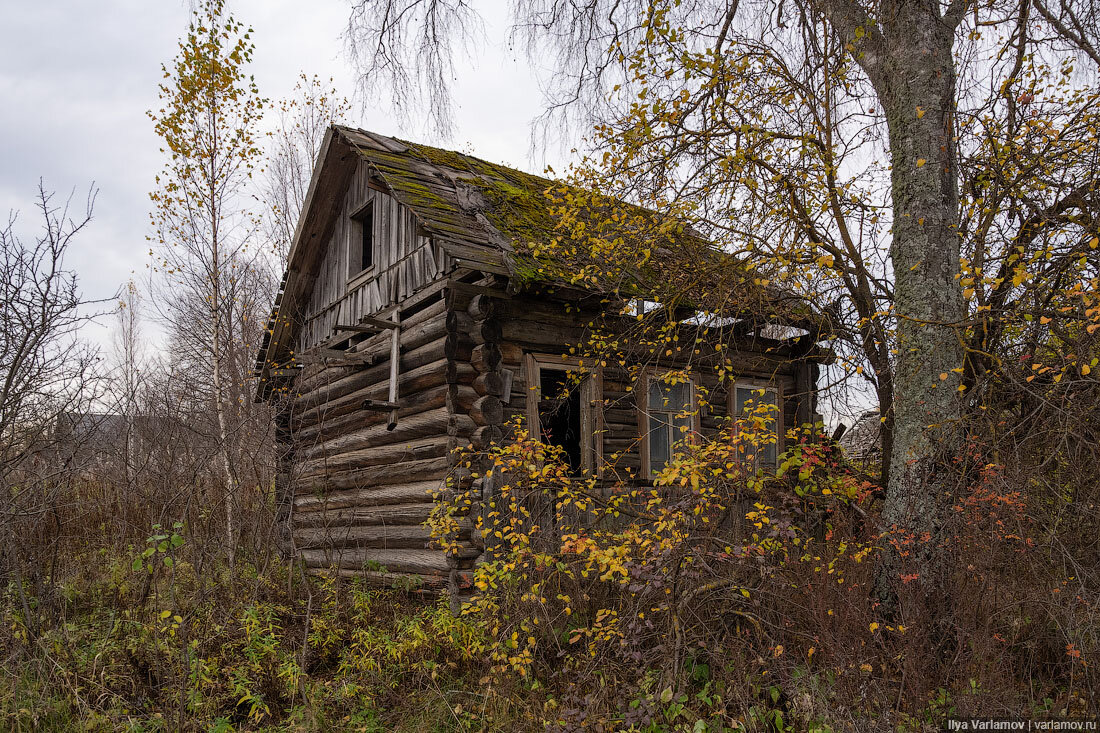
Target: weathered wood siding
(404, 261)
(362, 492)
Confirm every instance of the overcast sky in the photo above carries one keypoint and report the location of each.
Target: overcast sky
(77, 77)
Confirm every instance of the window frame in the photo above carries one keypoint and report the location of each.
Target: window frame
(767, 385)
(591, 400)
(648, 376)
(355, 241)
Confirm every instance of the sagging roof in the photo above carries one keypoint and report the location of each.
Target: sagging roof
(493, 216)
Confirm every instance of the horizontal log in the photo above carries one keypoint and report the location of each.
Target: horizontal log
(417, 537)
(419, 492)
(431, 562)
(427, 354)
(431, 468)
(519, 308)
(461, 399)
(510, 353)
(482, 306)
(419, 449)
(489, 383)
(431, 422)
(541, 336)
(428, 582)
(390, 514)
(461, 426)
(486, 436)
(486, 357)
(412, 337)
(431, 375)
(411, 404)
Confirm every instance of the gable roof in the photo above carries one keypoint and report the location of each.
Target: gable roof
(489, 215)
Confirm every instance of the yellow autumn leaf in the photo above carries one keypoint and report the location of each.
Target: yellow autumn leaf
(921, 162)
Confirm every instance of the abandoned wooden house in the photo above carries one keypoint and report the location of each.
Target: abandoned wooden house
(412, 320)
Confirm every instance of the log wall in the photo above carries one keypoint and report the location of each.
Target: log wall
(361, 491)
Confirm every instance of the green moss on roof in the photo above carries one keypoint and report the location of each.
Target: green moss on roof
(516, 205)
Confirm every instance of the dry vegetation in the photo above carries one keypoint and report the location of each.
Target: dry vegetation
(143, 581)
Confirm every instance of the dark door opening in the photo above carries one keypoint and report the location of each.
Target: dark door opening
(560, 415)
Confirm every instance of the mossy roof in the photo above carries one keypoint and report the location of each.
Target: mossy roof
(461, 198)
(458, 197)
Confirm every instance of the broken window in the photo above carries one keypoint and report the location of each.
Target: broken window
(560, 411)
(361, 240)
(560, 415)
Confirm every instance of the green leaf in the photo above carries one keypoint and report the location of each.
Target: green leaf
(666, 695)
(137, 564)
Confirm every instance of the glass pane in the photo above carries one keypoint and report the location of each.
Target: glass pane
(753, 399)
(658, 446)
(656, 395)
(767, 455)
(744, 394)
(679, 396)
(671, 397)
(681, 428)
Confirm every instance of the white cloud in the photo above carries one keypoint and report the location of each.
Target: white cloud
(76, 79)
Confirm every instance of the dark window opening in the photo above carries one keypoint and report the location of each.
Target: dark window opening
(560, 415)
(364, 241)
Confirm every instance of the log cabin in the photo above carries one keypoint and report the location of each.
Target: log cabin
(417, 315)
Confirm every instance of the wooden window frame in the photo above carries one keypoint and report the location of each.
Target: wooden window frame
(591, 404)
(648, 376)
(767, 385)
(355, 243)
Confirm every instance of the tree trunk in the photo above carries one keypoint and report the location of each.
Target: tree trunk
(223, 438)
(916, 84)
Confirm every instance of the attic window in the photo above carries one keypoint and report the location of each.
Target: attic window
(361, 240)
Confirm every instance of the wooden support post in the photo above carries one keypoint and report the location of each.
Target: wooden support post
(395, 362)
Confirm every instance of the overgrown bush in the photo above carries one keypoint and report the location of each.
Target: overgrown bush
(723, 599)
(143, 642)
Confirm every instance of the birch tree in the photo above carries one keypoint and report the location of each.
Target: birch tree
(303, 119)
(211, 109)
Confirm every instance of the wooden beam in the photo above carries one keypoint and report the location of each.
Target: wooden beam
(377, 323)
(354, 329)
(380, 405)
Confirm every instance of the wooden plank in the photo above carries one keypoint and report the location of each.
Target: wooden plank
(356, 329)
